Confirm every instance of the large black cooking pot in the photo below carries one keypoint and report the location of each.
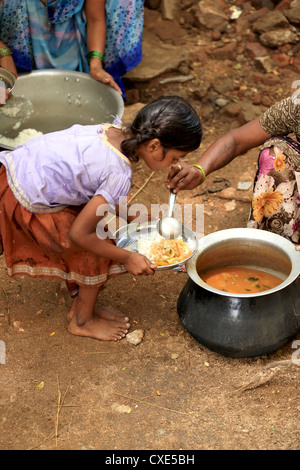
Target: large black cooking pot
(242, 325)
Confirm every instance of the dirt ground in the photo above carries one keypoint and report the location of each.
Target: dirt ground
(169, 392)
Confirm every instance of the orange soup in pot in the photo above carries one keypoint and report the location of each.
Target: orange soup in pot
(240, 280)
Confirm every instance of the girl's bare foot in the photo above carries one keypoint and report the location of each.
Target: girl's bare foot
(72, 309)
(109, 313)
(98, 328)
(106, 313)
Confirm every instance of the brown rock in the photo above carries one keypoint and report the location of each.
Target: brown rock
(296, 63)
(283, 5)
(255, 49)
(233, 109)
(227, 52)
(293, 15)
(256, 99)
(281, 60)
(278, 37)
(272, 21)
(211, 16)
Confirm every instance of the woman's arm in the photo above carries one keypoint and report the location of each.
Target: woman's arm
(7, 61)
(83, 233)
(218, 155)
(96, 36)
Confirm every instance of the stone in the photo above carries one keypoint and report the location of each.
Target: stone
(244, 185)
(221, 102)
(200, 92)
(233, 109)
(152, 4)
(278, 37)
(212, 17)
(249, 112)
(283, 5)
(121, 408)
(158, 58)
(264, 63)
(293, 15)
(135, 337)
(271, 21)
(296, 63)
(255, 49)
(226, 52)
(281, 60)
(168, 8)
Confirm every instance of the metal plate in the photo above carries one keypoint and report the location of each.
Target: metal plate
(8, 78)
(57, 100)
(127, 237)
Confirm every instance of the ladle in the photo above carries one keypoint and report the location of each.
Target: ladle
(169, 227)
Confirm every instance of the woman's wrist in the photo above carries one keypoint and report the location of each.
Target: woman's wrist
(201, 169)
(5, 51)
(95, 55)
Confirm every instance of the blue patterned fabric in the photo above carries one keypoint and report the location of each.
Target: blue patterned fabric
(39, 41)
(58, 40)
(123, 49)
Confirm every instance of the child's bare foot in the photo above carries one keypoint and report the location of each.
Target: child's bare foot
(106, 313)
(72, 309)
(109, 313)
(98, 328)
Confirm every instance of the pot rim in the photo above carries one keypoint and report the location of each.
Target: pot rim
(247, 233)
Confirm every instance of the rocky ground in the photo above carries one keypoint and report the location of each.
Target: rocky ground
(231, 60)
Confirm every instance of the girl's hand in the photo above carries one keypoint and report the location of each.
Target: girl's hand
(98, 73)
(184, 176)
(138, 265)
(298, 247)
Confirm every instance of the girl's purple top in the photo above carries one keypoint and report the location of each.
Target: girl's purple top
(67, 167)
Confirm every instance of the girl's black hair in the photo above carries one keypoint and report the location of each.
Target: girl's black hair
(171, 119)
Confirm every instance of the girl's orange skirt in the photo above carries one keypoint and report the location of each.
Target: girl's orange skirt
(38, 245)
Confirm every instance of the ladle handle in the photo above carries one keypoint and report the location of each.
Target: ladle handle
(172, 201)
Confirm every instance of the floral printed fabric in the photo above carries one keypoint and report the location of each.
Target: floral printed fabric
(276, 198)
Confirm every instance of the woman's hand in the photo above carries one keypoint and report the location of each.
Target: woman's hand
(184, 176)
(5, 98)
(7, 63)
(98, 73)
(138, 265)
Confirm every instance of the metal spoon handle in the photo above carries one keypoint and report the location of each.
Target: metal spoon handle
(172, 200)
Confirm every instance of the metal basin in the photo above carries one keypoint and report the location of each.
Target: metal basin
(7, 78)
(242, 325)
(52, 100)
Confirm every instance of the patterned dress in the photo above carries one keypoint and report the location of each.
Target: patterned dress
(44, 184)
(276, 198)
(52, 34)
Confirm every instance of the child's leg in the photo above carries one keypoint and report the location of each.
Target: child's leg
(106, 313)
(85, 322)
